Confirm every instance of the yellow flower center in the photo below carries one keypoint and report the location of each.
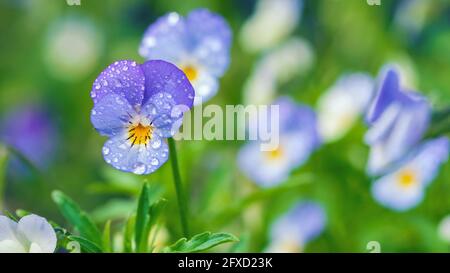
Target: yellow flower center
(275, 154)
(139, 134)
(407, 178)
(191, 72)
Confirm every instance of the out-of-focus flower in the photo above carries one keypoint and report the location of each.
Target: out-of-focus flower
(298, 138)
(72, 48)
(412, 15)
(404, 187)
(342, 104)
(272, 22)
(31, 131)
(397, 119)
(278, 66)
(292, 231)
(198, 44)
(137, 106)
(32, 234)
(444, 229)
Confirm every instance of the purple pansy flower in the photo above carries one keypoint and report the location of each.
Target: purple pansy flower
(31, 131)
(137, 106)
(199, 44)
(404, 187)
(303, 223)
(398, 120)
(298, 138)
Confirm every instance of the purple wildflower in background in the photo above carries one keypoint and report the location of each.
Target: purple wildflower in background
(298, 138)
(31, 132)
(398, 119)
(404, 187)
(137, 106)
(292, 231)
(198, 44)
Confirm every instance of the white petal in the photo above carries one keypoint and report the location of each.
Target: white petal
(9, 243)
(38, 232)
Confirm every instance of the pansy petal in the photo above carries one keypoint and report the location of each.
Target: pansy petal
(139, 159)
(429, 157)
(210, 38)
(396, 132)
(9, 243)
(164, 114)
(111, 114)
(161, 76)
(165, 39)
(304, 222)
(258, 167)
(388, 192)
(124, 78)
(387, 92)
(206, 86)
(38, 231)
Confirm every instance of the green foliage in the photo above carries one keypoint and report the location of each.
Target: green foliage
(201, 242)
(78, 218)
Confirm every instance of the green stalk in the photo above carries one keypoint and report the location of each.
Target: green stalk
(182, 204)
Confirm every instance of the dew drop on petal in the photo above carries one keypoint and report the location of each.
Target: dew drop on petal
(139, 168)
(105, 149)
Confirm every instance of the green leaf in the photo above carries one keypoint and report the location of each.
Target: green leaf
(141, 228)
(22, 213)
(106, 239)
(201, 242)
(156, 210)
(78, 218)
(128, 234)
(85, 244)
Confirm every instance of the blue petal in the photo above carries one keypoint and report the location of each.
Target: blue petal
(124, 78)
(387, 93)
(165, 39)
(304, 222)
(164, 114)
(428, 158)
(206, 86)
(252, 162)
(111, 114)
(399, 128)
(210, 40)
(388, 193)
(138, 159)
(161, 76)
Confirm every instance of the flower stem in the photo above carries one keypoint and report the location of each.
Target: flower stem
(182, 204)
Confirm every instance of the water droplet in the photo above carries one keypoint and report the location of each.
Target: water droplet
(154, 161)
(125, 68)
(97, 86)
(139, 168)
(105, 150)
(156, 143)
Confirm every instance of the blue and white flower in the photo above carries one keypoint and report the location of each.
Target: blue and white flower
(198, 44)
(298, 138)
(137, 106)
(404, 187)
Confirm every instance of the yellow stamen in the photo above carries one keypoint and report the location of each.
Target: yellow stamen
(407, 178)
(139, 134)
(275, 154)
(191, 72)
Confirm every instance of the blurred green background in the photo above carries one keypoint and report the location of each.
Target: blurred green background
(347, 35)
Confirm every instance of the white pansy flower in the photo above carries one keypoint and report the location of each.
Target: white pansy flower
(272, 22)
(32, 234)
(342, 104)
(278, 66)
